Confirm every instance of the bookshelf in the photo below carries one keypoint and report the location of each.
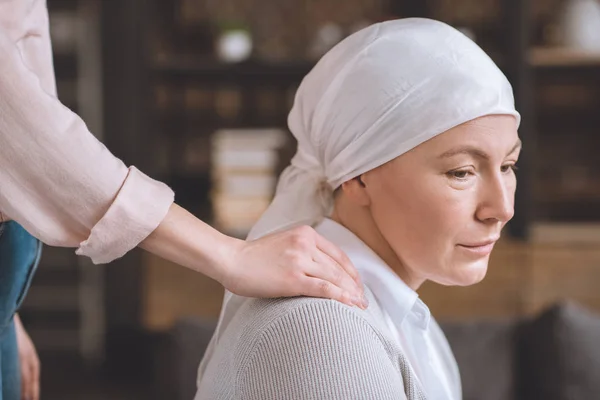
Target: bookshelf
(195, 97)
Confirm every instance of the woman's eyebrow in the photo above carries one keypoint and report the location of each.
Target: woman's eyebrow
(468, 150)
(475, 152)
(517, 145)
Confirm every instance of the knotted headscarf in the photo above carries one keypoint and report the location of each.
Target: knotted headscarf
(379, 93)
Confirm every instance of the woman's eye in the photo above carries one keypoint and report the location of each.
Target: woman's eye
(509, 167)
(459, 174)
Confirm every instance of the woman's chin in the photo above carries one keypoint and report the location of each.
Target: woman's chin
(472, 273)
(466, 274)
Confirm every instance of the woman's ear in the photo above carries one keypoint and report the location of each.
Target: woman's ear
(356, 191)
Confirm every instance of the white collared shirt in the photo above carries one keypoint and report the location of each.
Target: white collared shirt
(407, 317)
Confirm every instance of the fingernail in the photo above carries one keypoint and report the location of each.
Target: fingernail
(357, 301)
(365, 302)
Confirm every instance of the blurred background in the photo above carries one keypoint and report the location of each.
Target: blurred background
(196, 93)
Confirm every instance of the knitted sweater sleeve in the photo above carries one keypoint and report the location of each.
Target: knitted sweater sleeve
(322, 350)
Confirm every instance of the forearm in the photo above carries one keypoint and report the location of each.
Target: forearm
(185, 240)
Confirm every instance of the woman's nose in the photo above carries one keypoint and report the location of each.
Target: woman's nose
(497, 200)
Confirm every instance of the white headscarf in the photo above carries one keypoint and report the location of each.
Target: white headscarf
(379, 93)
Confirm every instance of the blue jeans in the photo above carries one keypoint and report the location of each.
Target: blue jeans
(19, 257)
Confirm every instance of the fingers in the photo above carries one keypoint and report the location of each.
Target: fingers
(30, 379)
(278, 265)
(26, 382)
(332, 267)
(25, 379)
(326, 269)
(36, 379)
(338, 256)
(315, 287)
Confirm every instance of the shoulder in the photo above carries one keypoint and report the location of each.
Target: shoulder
(291, 325)
(300, 348)
(300, 316)
(304, 318)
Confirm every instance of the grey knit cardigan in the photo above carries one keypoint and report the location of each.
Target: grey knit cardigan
(306, 349)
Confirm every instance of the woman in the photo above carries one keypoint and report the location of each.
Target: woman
(407, 141)
(60, 185)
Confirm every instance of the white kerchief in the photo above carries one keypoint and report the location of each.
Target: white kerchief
(379, 93)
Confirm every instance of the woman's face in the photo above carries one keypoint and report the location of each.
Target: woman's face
(441, 206)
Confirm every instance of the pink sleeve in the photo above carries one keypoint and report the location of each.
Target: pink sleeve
(56, 178)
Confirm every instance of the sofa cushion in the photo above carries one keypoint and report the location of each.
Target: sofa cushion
(560, 354)
(179, 357)
(484, 351)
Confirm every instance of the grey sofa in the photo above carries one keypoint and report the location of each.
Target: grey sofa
(552, 356)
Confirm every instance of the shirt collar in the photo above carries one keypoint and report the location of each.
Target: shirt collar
(394, 296)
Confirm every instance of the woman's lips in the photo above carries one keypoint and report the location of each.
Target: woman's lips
(480, 249)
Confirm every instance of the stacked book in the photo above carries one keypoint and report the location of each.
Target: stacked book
(244, 176)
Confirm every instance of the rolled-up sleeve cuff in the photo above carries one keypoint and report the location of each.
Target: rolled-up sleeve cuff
(138, 209)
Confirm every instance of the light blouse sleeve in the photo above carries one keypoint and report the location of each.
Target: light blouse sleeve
(56, 178)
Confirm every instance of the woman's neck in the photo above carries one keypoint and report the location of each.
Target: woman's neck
(360, 222)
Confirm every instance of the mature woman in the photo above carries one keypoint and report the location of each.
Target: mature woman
(407, 141)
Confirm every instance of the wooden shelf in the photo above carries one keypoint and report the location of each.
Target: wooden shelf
(206, 68)
(563, 233)
(590, 193)
(562, 57)
(208, 120)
